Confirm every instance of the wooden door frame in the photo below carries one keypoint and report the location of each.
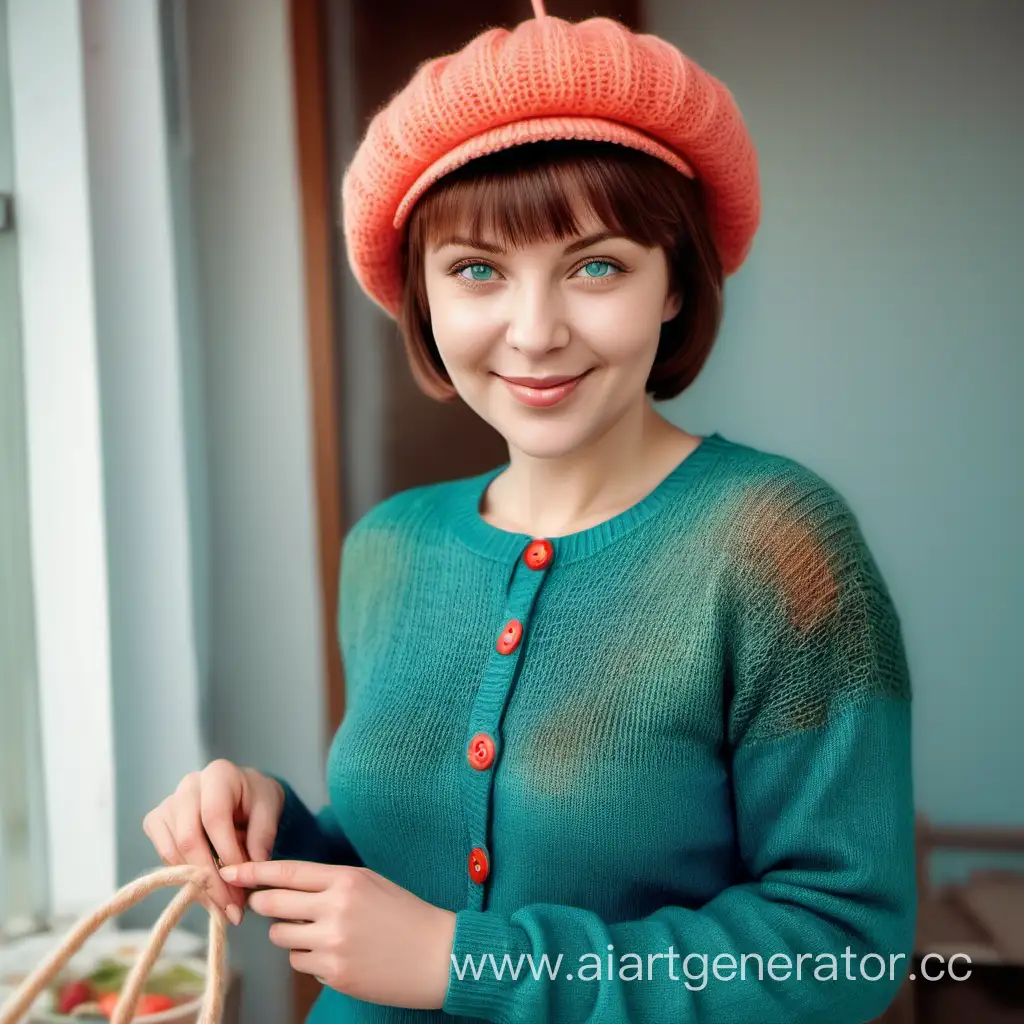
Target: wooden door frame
(308, 31)
(309, 69)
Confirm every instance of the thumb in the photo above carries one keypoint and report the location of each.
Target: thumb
(262, 831)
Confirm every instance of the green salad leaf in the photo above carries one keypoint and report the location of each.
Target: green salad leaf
(176, 981)
(108, 976)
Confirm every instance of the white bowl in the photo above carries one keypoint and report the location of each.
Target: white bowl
(183, 1013)
(21, 956)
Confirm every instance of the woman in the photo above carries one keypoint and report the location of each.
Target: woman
(627, 735)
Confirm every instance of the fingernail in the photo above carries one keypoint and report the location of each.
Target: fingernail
(234, 915)
(229, 873)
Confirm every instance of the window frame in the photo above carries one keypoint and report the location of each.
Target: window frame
(68, 548)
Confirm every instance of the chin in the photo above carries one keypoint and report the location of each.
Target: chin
(541, 440)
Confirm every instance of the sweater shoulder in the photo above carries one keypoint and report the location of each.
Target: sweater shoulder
(771, 506)
(812, 627)
(794, 538)
(383, 551)
(771, 476)
(413, 512)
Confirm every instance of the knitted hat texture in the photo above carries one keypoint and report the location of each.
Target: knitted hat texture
(546, 79)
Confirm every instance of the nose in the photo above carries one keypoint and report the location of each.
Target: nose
(536, 319)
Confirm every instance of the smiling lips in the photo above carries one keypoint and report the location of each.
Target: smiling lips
(542, 391)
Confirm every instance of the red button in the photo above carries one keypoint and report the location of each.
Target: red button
(478, 866)
(538, 554)
(509, 640)
(481, 751)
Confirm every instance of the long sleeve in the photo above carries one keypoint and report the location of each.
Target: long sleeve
(303, 835)
(819, 750)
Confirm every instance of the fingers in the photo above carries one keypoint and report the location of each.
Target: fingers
(220, 795)
(264, 817)
(211, 819)
(287, 905)
(295, 935)
(221, 787)
(300, 875)
(160, 835)
(194, 845)
(306, 962)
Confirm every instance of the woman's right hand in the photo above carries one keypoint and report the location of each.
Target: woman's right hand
(236, 810)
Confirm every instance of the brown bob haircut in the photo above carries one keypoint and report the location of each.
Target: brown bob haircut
(526, 194)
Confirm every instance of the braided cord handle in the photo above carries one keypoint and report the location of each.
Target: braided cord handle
(193, 881)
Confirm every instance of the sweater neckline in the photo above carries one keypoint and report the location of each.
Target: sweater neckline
(502, 545)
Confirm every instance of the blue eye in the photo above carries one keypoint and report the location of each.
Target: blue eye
(599, 268)
(483, 273)
(478, 272)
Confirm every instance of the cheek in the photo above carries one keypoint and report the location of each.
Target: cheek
(621, 329)
(459, 331)
(460, 345)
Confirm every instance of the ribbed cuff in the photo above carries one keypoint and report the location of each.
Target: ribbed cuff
(295, 827)
(485, 990)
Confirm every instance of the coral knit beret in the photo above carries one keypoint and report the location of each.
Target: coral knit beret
(546, 79)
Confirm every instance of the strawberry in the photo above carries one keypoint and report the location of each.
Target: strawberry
(73, 994)
(107, 1002)
(154, 1004)
(148, 1004)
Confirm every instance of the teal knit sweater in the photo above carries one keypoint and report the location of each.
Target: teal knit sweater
(693, 748)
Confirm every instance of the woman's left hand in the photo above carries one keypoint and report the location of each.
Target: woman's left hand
(353, 929)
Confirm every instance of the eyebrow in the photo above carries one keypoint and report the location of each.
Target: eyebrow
(479, 243)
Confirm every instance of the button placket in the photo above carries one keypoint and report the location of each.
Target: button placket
(482, 749)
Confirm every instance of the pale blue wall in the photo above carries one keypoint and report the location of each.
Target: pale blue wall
(875, 332)
(264, 643)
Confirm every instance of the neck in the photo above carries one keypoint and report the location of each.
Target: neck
(565, 494)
